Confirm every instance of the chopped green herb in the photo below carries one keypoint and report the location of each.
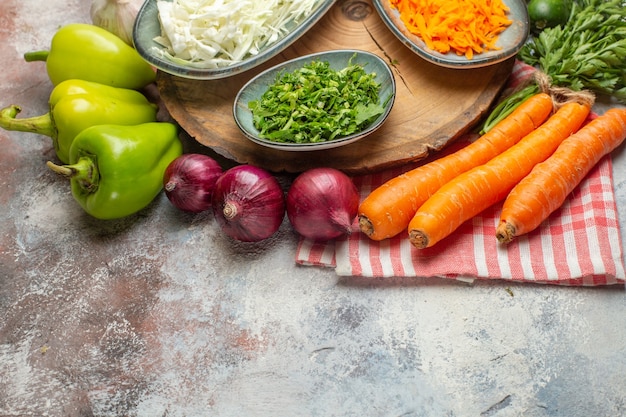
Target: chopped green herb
(316, 103)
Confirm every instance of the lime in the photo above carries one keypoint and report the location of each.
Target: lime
(548, 13)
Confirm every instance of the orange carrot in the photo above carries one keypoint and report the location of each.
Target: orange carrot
(477, 189)
(463, 26)
(544, 190)
(387, 210)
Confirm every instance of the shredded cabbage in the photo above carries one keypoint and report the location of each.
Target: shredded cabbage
(218, 33)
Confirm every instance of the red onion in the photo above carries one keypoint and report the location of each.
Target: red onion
(248, 203)
(189, 180)
(322, 203)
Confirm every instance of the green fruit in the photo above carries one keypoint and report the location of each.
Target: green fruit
(548, 13)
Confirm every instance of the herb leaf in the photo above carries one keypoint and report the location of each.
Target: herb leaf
(316, 103)
(588, 52)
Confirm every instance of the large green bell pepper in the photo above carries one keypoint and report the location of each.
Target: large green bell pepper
(116, 170)
(76, 105)
(91, 53)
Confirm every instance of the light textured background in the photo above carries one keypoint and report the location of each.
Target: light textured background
(161, 315)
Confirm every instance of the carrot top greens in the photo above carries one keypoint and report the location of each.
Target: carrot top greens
(588, 52)
(316, 103)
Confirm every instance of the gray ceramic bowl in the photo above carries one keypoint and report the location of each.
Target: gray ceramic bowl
(337, 59)
(510, 40)
(147, 27)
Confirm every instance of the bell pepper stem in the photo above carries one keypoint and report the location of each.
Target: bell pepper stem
(84, 171)
(42, 125)
(36, 56)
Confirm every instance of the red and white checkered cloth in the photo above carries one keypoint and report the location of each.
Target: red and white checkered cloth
(579, 244)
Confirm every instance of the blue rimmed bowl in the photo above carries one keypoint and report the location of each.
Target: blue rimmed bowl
(510, 41)
(337, 60)
(148, 27)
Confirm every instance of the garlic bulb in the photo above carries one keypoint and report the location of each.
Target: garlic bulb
(116, 16)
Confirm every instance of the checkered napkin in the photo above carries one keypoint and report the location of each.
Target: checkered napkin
(579, 244)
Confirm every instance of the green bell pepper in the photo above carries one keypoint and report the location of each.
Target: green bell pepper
(91, 53)
(78, 104)
(116, 170)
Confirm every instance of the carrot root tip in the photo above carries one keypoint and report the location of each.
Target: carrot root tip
(505, 232)
(366, 225)
(418, 239)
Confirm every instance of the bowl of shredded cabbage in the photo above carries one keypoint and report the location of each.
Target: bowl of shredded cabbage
(317, 101)
(212, 39)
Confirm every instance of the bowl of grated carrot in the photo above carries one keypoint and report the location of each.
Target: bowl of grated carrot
(458, 33)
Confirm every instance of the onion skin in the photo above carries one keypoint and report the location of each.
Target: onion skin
(322, 204)
(248, 203)
(189, 181)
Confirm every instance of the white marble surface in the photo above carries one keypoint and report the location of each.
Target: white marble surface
(161, 315)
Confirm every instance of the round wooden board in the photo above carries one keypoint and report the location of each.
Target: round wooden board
(433, 105)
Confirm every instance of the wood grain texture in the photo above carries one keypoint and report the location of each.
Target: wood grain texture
(433, 106)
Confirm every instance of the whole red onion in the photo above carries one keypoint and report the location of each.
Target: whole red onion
(189, 180)
(248, 203)
(322, 203)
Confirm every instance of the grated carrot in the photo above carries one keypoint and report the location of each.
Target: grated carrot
(464, 27)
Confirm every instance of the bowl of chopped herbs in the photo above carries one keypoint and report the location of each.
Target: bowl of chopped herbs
(318, 101)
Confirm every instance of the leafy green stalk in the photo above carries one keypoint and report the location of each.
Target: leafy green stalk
(589, 52)
(506, 107)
